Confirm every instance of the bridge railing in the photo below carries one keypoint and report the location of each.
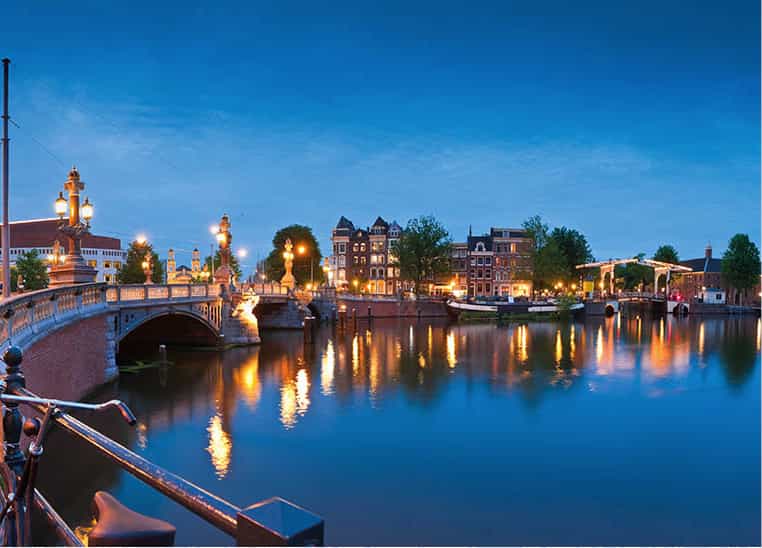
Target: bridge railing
(268, 288)
(142, 292)
(26, 316)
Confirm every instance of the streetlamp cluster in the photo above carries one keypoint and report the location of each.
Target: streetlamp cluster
(71, 267)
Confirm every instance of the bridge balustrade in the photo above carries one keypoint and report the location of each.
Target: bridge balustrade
(143, 292)
(26, 317)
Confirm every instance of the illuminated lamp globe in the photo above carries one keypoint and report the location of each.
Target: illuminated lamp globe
(60, 205)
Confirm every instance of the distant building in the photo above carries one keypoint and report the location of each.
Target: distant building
(182, 274)
(705, 283)
(103, 253)
(362, 257)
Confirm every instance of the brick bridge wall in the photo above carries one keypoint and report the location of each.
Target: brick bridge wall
(73, 360)
(395, 308)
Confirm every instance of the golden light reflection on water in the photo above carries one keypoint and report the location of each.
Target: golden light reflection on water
(294, 399)
(247, 379)
(521, 357)
(452, 358)
(523, 350)
(220, 446)
(759, 334)
(701, 339)
(327, 367)
(355, 355)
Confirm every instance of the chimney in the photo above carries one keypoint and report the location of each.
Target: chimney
(708, 251)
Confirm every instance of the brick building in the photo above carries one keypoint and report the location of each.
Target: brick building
(707, 278)
(499, 263)
(362, 257)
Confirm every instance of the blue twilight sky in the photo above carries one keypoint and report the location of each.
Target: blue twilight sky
(637, 123)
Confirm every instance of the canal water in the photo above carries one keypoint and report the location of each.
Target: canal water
(616, 431)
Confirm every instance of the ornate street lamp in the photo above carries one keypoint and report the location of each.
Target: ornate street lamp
(224, 274)
(74, 269)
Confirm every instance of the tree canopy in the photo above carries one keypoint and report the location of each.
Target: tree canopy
(423, 251)
(666, 254)
(633, 274)
(32, 269)
(740, 263)
(556, 253)
(132, 269)
(303, 239)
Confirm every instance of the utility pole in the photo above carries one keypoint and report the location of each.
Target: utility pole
(6, 243)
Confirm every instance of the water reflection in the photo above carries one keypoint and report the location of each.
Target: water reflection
(259, 401)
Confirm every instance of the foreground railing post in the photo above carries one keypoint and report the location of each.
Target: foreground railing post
(277, 522)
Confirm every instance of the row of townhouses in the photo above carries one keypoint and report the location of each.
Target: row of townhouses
(497, 263)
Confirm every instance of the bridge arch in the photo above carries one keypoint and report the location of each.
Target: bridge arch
(168, 327)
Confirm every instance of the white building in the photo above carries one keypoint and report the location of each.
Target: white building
(103, 253)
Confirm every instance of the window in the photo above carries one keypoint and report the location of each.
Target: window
(117, 264)
(363, 260)
(362, 247)
(355, 247)
(513, 248)
(381, 273)
(107, 264)
(487, 288)
(342, 247)
(92, 263)
(355, 259)
(488, 261)
(342, 260)
(390, 272)
(480, 247)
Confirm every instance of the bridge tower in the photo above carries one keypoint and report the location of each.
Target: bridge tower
(171, 266)
(196, 263)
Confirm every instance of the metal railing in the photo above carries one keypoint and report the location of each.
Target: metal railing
(258, 524)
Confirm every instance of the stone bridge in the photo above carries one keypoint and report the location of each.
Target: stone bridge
(71, 335)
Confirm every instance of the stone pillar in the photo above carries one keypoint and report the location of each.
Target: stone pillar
(288, 279)
(224, 274)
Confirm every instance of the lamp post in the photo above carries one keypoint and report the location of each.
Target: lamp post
(302, 249)
(224, 274)
(74, 270)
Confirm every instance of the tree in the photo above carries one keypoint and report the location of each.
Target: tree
(634, 274)
(132, 270)
(302, 238)
(740, 263)
(549, 266)
(666, 254)
(555, 254)
(33, 271)
(235, 266)
(423, 251)
(574, 248)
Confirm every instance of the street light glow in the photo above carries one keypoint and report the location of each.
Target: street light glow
(301, 249)
(214, 229)
(242, 253)
(141, 239)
